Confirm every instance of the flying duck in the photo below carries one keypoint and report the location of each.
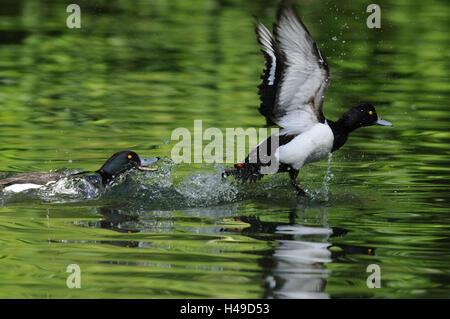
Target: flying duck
(117, 164)
(294, 83)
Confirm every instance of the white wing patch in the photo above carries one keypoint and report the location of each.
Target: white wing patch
(17, 188)
(272, 68)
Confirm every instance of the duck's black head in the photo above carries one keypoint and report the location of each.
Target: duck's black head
(123, 161)
(362, 115)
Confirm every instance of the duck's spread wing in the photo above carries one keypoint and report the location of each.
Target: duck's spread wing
(273, 66)
(295, 77)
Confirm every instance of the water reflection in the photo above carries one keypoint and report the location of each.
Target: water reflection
(295, 268)
(300, 270)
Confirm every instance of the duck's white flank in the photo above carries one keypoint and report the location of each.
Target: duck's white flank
(311, 146)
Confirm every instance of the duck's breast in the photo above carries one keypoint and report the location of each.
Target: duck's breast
(311, 146)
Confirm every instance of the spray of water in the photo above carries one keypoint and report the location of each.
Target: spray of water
(325, 190)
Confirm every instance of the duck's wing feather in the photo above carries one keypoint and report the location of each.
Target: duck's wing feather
(273, 67)
(296, 75)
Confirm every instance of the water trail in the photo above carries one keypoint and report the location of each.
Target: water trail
(199, 188)
(325, 189)
(171, 187)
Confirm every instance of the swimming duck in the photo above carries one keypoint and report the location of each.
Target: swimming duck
(294, 82)
(117, 164)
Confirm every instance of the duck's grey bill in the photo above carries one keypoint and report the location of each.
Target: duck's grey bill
(383, 122)
(148, 161)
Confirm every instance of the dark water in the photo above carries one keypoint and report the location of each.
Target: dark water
(135, 71)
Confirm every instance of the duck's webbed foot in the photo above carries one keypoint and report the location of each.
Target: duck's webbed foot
(293, 173)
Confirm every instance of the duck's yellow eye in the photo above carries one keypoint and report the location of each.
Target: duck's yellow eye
(130, 157)
(370, 112)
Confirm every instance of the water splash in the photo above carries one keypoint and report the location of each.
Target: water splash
(199, 188)
(323, 193)
(161, 189)
(71, 189)
(327, 178)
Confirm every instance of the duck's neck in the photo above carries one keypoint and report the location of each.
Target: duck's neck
(105, 177)
(341, 129)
